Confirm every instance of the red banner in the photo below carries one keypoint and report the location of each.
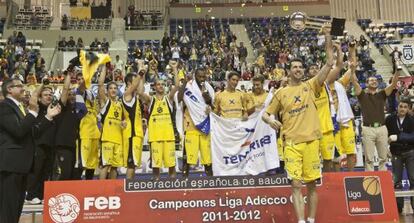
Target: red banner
(343, 197)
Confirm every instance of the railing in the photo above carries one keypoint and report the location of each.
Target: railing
(33, 209)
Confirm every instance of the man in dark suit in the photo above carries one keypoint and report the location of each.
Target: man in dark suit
(18, 128)
(400, 128)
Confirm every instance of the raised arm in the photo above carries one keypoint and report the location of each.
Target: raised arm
(146, 99)
(65, 90)
(388, 90)
(101, 86)
(333, 73)
(181, 90)
(128, 95)
(174, 89)
(354, 79)
(323, 73)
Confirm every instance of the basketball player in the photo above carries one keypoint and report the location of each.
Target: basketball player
(196, 141)
(89, 133)
(258, 94)
(344, 132)
(232, 103)
(323, 105)
(301, 129)
(161, 133)
(113, 114)
(132, 104)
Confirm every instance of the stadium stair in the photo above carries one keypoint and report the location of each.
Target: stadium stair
(382, 65)
(240, 31)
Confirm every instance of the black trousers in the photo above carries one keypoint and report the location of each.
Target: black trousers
(405, 159)
(66, 158)
(42, 171)
(12, 193)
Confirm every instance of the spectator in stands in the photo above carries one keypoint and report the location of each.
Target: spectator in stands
(119, 64)
(129, 20)
(395, 55)
(154, 21)
(65, 21)
(71, 43)
(95, 44)
(175, 51)
(105, 44)
(80, 44)
(21, 39)
(34, 20)
(184, 39)
(62, 44)
(13, 38)
(374, 131)
(400, 128)
(165, 42)
(39, 62)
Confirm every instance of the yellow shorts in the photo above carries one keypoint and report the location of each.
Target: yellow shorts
(89, 153)
(195, 142)
(280, 148)
(132, 151)
(345, 139)
(327, 145)
(112, 154)
(163, 152)
(302, 161)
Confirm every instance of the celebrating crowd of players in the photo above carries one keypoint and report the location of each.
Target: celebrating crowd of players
(310, 112)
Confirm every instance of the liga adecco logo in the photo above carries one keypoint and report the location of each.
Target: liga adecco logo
(65, 208)
(363, 195)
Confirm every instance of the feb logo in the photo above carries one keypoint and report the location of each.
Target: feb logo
(364, 195)
(64, 208)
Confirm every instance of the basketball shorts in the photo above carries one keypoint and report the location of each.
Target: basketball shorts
(111, 154)
(195, 143)
(89, 153)
(327, 145)
(345, 139)
(163, 154)
(133, 147)
(302, 161)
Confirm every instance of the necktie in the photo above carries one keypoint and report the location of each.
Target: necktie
(22, 109)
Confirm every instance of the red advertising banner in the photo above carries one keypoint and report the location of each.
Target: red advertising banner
(343, 197)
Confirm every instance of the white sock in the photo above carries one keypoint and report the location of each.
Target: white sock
(311, 220)
(301, 221)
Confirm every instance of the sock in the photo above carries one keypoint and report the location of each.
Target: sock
(301, 221)
(311, 220)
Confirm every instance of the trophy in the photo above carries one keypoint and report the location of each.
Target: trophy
(300, 21)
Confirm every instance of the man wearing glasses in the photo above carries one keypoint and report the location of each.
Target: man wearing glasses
(18, 128)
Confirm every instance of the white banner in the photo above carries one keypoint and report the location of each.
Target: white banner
(407, 51)
(242, 147)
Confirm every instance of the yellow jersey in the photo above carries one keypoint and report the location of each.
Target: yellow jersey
(112, 115)
(160, 125)
(323, 106)
(88, 128)
(258, 100)
(296, 106)
(232, 104)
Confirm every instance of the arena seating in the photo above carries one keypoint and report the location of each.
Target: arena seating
(386, 33)
(37, 17)
(86, 24)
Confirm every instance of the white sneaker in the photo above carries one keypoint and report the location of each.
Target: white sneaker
(35, 201)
